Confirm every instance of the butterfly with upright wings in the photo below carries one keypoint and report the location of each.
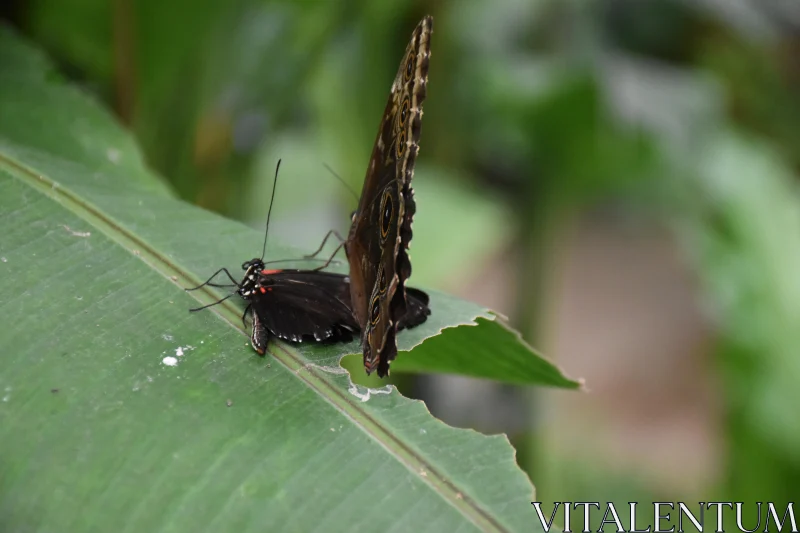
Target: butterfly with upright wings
(380, 232)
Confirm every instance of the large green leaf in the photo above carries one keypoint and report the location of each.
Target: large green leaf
(122, 411)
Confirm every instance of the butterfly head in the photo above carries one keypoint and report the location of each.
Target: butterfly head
(250, 281)
(253, 266)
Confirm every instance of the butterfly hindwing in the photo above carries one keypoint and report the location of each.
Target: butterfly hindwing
(418, 310)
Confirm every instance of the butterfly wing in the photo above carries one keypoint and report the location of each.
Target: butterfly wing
(418, 310)
(381, 229)
(298, 305)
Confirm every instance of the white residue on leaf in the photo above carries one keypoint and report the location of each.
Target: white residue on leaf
(364, 396)
(337, 370)
(166, 337)
(6, 397)
(3, 259)
(170, 361)
(76, 233)
(181, 350)
(113, 155)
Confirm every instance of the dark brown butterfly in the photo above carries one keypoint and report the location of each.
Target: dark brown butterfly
(380, 233)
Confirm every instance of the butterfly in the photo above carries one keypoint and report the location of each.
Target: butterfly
(298, 305)
(380, 232)
(302, 305)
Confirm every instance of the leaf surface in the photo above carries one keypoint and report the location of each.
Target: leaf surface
(121, 411)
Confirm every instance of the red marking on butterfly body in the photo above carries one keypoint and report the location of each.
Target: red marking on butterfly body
(268, 272)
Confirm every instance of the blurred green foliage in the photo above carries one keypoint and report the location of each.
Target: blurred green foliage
(537, 109)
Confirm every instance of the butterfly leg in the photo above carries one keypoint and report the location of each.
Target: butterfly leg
(221, 285)
(244, 315)
(330, 259)
(214, 275)
(331, 232)
(211, 304)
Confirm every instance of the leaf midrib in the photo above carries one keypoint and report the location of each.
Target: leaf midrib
(312, 375)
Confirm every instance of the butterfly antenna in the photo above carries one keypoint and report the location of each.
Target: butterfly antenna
(295, 260)
(346, 185)
(269, 212)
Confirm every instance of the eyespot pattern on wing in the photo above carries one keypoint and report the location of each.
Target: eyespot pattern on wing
(386, 213)
(381, 230)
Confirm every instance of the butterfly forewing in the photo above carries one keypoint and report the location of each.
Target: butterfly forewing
(381, 230)
(298, 305)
